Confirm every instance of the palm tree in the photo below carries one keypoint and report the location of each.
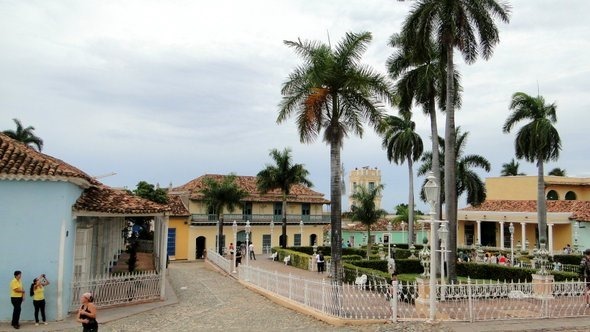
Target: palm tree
(557, 172)
(25, 135)
(467, 25)
(282, 175)
(421, 78)
(403, 144)
(537, 141)
(511, 169)
(332, 91)
(221, 195)
(364, 210)
(467, 180)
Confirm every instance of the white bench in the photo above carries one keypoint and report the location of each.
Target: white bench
(287, 260)
(274, 256)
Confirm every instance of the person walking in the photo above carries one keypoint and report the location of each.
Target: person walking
(87, 313)
(585, 273)
(238, 256)
(251, 250)
(320, 261)
(17, 296)
(38, 294)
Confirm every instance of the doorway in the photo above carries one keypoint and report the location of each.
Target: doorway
(200, 245)
(488, 233)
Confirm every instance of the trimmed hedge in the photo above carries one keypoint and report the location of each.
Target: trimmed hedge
(568, 259)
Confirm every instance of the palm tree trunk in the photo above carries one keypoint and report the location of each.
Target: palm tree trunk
(410, 201)
(335, 214)
(541, 204)
(451, 166)
(284, 223)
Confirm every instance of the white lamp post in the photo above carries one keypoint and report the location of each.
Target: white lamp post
(403, 224)
(218, 242)
(301, 229)
(234, 227)
(431, 191)
(576, 227)
(388, 240)
(248, 228)
(511, 230)
(443, 231)
(272, 226)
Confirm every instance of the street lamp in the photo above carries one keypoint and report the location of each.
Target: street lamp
(576, 227)
(234, 227)
(443, 231)
(272, 226)
(248, 228)
(511, 230)
(431, 192)
(388, 240)
(218, 242)
(301, 229)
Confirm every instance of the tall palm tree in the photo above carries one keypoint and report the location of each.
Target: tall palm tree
(219, 196)
(364, 209)
(537, 141)
(467, 180)
(25, 135)
(511, 169)
(282, 175)
(557, 172)
(421, 79)
(468, 26)
(403, 144)
(332, 91)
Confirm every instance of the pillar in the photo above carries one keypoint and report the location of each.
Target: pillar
(550, 238)
(502, 235)
(478, 231)
(523, 235)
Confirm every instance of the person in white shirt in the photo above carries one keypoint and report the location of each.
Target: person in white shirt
(251, 250)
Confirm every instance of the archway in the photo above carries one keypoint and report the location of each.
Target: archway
(200, 242)
(313, 239)
(570, 196)
(552, 195)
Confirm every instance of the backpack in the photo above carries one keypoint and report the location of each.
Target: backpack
(584, 269)
(321, 258)
(32, 290)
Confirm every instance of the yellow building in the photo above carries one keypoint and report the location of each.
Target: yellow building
(513, 200)
(178, 227)
(364, 177)
(305, 218)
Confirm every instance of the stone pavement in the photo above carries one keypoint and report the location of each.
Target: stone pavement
(201, 298)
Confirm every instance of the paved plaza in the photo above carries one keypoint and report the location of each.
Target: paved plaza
(201, 298)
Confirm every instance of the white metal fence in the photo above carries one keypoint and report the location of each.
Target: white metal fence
(109, 290)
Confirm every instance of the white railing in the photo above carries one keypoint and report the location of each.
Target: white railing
(220, 261)
(549, 266)
(109, 290)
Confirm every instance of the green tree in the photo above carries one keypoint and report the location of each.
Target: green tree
(149, 191)
(333, 92)
(364, 210)
(24, 135)
(511, 169)
(219, 196)
(282, 175)
(468, 26)
(537, 141)
(557, 172)
(403, 144)
(402, 213)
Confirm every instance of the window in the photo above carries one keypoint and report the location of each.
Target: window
(297, 240)
(570, 196)
(247, 211)
(171, 241)
(305, 211)
(552, 195)
(266, 243)
(371, 185)
(469, 230)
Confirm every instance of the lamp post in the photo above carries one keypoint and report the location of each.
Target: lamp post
(403, 224)
(511, 230)
(218, 242)
(388, 240)
(248, 228)
(234, 227)
(431, 191)
(301, 229)
(576, 227)
(443, 231)
(272, 226)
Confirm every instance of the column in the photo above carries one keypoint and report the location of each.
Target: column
(550, 238)
(502, 235)
(523, 235)
(478, 231)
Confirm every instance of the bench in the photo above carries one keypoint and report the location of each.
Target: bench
(287, 260)
(274, 256)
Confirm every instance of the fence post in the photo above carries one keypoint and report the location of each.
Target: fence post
(470, 299)
(393, 301)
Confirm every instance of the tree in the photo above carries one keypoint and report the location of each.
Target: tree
(468, 26)
(402, 143)
(149, 191)
(25, 135)
(511, 169)
(221, 195)
(557, 172)
(536, 141)
(364, 210)
(402, 213)
(333, 92)
(467, 180)
(282, 175)
(421, 79)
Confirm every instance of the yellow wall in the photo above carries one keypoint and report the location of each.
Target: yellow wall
(525, 187)
(182, 233)
(561, 236)
(198, 207)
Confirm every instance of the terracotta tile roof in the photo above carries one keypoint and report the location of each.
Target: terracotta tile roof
(177, 207)
(580, 210)
(299, 193)
(108, 200)
(20, 162)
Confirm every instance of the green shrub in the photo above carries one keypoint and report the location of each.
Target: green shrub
(568, 259)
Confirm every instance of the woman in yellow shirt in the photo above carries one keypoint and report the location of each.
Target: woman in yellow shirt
(38, 294)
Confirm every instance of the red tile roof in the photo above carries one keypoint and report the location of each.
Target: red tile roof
(108, 200)
(299, 193)
(177, 207)
(580, 210)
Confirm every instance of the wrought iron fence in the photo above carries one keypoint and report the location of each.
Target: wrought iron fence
(109, 290)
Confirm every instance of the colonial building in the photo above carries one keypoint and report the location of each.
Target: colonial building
(305, 218)
(364, 177)
(513, 200)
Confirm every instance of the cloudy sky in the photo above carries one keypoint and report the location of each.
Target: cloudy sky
(165, 91)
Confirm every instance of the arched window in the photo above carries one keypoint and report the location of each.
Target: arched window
(570, 196)
(552, 195)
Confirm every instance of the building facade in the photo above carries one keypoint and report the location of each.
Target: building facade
(364, 177)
